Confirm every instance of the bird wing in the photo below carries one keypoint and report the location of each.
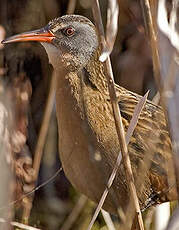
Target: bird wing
(150, 144)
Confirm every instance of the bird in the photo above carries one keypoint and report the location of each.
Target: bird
(88, 141)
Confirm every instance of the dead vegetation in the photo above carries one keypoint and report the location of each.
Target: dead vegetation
(145, 36)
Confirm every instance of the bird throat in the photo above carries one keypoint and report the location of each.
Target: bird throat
(83, 82)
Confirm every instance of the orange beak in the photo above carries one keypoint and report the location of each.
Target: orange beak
(41, 35)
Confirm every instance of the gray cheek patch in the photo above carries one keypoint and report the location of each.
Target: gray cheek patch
(85, 42)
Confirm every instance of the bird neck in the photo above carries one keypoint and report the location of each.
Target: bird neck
(94, 73)
(89, 79)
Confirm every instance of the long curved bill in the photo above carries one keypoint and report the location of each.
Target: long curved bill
(41, 35)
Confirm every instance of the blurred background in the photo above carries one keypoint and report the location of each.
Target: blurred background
(25, 78)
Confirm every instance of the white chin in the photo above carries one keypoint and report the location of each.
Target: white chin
(54, 55)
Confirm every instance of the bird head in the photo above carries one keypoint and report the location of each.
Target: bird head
(69, 41)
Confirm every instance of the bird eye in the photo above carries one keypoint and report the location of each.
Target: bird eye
(69, 31)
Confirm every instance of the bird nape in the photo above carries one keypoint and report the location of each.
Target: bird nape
(88, 142)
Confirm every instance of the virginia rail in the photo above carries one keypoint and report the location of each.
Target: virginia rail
(88, 142)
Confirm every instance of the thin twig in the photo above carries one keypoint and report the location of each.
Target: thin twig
(149, 218)
(40, 143)
(173, 223)
(71, 6)
(156, 98)
(33, 190)
(162, 212)
(170, 109)
(143, 8)
(75, 213)
(7, 181)
(19, 225)
(170, 81)
(108, 220)
(169, 27)
(119, 129)
(129, 133)
(111, 29)
(153, 40)
(44, 126)
(170, 94)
